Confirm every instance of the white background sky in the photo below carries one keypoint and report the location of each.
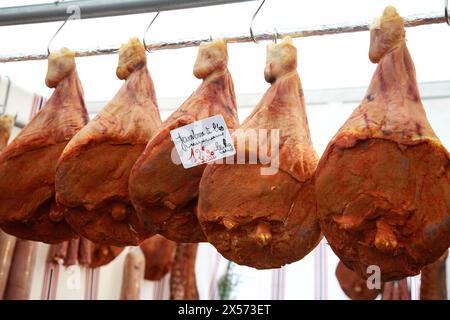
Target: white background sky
(324, 62)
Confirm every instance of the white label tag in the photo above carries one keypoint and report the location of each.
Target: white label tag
(203, 141)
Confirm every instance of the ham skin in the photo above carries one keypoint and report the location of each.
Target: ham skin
(165, 194)
(28, 208)
(383, 182)
(266, 220)
(92, 173)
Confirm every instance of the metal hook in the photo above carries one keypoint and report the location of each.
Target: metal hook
(54, 36)
(146, 30)
(253, 19)
(447, 18)
(276, 35)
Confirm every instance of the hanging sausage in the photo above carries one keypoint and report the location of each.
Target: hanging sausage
(22, 270)
(133, 275)
(92, 173)
(27, 200)
(433, 280)
(7, 242)
(85, 252)
(164, 193)
(159, 254)
(396, 290)
(383, 183)
(263, 215)
(82, 252)
(183, 284)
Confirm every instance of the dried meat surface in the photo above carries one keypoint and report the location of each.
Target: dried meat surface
(92, 174)
(383, 183)
(261, 215)
(28, 208)
(165, 194)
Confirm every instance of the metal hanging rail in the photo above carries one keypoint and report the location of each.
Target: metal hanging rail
(330, 29)
(57, 11)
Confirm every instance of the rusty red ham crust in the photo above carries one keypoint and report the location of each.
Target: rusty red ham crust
(163, 193)
(92, 174)
(383, 183)
(28, 208)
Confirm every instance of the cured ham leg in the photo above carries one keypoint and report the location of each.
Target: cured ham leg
(159, 254)
(255, 215)
(183, 285)
(92, 173)
(353, 285)
(164, 193)
(433, 280)
(27, 200)
(383, 183)
(21, 271)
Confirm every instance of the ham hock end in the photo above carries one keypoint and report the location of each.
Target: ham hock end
(92, 173)
(28, 209)
(383, 183)
(266, 220)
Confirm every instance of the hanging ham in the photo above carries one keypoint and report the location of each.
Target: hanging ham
(158, 252)
(183, 284)
(164, 193)
(92, 173)
(383, 183)
(27, 165)
(353, 285)
(263, 215)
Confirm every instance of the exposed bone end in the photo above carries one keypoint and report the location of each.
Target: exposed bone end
(281, 59)
(387, 31)
(55, 214)
(211, 56)
(385, 239)
(60, 65)
(119, 212)
(263, 234)
(390, 13)
(131, 57)
(228, 223)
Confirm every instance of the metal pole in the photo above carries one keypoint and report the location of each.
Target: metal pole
(410, 21)
(57, 11)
